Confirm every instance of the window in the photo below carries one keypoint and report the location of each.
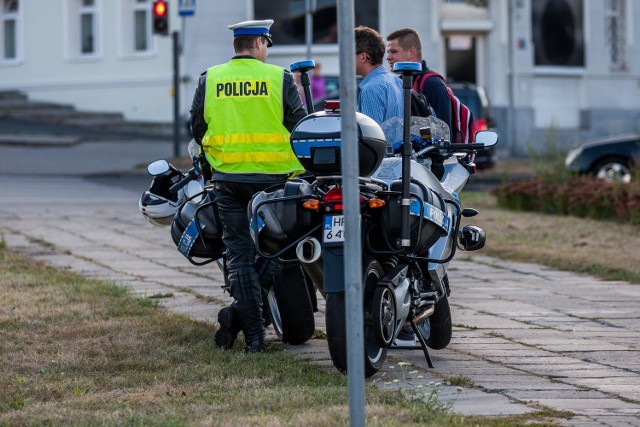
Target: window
(290, 21)
(558, 32)
(87, 27)
(615, 33)
(141, 26)
(81, 27)
(135, 37)
(9, 22)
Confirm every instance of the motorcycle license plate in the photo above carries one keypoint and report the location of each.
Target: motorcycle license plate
(333, 229)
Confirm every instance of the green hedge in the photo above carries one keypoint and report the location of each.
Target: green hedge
(586, 197)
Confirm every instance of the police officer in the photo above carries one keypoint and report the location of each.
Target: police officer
(242, 114)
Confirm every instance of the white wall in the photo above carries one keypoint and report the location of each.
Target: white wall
(113, 81)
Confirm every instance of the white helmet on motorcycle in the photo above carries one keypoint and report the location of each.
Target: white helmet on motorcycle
(158, 210)
(158, 205)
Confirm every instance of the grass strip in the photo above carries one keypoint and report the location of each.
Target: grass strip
(604, 249)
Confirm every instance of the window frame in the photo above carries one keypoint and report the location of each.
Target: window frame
(16, 17)
(91, 11)
(126, 29)
(72, 30)
(561, 69)
(295, 48)
(142, 6)
(619, 63)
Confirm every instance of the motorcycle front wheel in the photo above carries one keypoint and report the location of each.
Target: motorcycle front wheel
(440, 325)
(374, 354)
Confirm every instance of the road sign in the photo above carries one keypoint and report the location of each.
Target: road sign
(187, 7)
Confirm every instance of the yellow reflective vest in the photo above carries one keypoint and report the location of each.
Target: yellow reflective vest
(244, 112)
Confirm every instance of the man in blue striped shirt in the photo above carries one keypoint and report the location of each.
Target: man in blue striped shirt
(380, 96)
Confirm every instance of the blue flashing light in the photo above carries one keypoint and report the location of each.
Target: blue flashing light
(400, 67)
(305, 65)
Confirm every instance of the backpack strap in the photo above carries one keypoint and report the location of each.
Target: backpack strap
(455, 106)
(425, 76)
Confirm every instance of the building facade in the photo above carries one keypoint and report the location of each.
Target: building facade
(98, 55)
(568, 65)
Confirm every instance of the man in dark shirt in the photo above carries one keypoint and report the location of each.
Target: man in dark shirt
(404, 46)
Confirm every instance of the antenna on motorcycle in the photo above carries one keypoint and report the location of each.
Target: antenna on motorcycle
(407, 70)
(303, 67)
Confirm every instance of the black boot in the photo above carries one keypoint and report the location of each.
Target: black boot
(248, 306)
(229, 328)
(256, 346)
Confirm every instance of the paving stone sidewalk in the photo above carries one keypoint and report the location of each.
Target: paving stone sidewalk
(526, 337)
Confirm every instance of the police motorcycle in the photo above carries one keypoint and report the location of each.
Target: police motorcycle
(183, 202)
(410, 226)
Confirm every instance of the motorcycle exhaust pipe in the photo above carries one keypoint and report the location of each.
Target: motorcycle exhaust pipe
(422, 316)
(309, 252)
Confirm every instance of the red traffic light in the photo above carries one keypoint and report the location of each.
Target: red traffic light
(160, 8)
(160, 17)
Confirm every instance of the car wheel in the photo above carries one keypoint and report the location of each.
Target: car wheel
(613, 169)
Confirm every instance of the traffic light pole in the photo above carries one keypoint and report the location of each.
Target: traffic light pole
(176, 95)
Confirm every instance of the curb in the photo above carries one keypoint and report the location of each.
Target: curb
(38, 140)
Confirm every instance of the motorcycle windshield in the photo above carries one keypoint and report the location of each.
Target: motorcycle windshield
(393, 130)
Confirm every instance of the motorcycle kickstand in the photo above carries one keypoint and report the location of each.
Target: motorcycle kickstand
(423, 343)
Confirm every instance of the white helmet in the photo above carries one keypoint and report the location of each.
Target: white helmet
(157, 209)
(158, 205)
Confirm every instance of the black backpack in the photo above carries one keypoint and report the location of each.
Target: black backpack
(419, 105)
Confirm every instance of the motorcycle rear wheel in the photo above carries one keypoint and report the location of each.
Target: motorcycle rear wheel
(384, 315)
(291, 307)
(374, 354)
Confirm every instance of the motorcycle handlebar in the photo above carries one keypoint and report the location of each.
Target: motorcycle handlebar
(193, 174)
(466, 147)
(178, 185)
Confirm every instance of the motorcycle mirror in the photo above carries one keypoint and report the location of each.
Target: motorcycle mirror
(193, 149)
(158, 167)
(487, 137)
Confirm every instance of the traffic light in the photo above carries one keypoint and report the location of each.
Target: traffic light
(160, 17)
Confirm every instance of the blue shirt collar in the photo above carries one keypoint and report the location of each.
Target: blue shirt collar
(378, 70)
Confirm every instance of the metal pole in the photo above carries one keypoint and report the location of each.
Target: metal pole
(352, 246)
(176, 95)
(407, 81)
(511, 112)
(306, 86)
(308, 21)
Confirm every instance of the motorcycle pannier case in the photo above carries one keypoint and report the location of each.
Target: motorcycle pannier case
(280, 217)
(425, 230)
(317, 143)
(196, 229)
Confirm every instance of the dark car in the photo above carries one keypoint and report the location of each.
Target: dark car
(608, 158)
(476, 99)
